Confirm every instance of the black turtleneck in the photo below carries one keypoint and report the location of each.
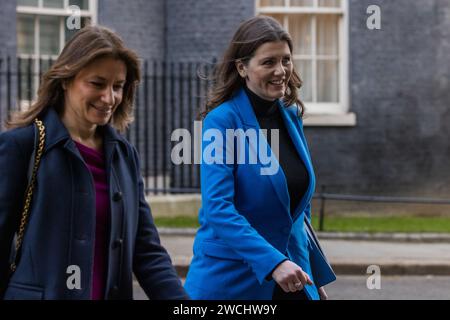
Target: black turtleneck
(269, 117)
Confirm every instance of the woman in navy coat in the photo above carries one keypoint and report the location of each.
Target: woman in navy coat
(256, 185)
(89, 227)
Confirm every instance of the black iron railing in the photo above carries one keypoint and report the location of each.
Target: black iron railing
(323, 196)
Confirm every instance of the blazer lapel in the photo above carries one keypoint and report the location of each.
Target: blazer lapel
(294, 130)
(248, 117)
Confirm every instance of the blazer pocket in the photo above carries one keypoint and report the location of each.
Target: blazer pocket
(218, 250)
(17, 291)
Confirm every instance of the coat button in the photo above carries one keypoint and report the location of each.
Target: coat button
(117, 196)
(117, 243)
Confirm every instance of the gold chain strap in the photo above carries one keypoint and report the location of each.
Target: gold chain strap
(30, 189)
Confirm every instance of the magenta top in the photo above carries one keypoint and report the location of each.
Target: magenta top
(96, 163)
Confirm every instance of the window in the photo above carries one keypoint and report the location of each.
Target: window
(41, 35)
(319, 30)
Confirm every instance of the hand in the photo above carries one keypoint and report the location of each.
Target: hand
(290, 276)
(323, 295)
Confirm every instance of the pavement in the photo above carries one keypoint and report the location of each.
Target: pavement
(350, 253)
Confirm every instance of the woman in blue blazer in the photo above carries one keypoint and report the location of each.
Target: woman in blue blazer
(89, 226)
(257, 179)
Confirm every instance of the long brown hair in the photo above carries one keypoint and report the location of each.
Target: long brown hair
(250, 35)
(87, 45)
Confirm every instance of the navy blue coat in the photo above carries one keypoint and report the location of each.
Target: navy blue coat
(61, 228)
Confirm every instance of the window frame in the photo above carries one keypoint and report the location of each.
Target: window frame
(323, 114)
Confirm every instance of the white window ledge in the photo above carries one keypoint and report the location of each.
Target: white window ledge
(330, 120)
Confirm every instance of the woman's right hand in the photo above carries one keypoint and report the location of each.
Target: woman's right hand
(290, 276)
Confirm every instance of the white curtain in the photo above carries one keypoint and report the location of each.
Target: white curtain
(304, 68)
(302, 3)
(300, 29)
(327, 58)
(327, 35)
(327, 81)
(329, 3)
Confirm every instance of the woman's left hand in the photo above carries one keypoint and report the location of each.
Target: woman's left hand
(322, 294)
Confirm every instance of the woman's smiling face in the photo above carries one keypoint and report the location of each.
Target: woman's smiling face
(268, 72)
(96, 91)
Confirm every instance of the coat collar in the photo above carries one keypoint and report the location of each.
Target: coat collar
(244, 107)
(56, 132)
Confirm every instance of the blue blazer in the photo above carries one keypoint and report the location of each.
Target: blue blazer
(246, 228)
(61, 227)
